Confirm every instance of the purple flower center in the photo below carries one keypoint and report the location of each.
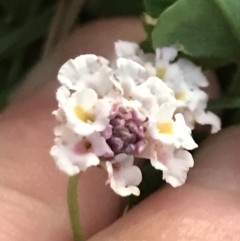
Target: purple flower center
(127, 132)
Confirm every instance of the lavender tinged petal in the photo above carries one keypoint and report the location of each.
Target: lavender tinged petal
(107, 133)
(140, 146)
(114, 111)
(141, 133)
(108, 154)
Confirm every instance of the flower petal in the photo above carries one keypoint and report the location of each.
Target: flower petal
(126, 49)
(193, 74)
(130, 74)
(124, 181)
(101, 123)
(76, 72)
(62, 96)
(166, 53)
(99, 145)
(124, 160)
(208, 118)
(178, 167)
(183, 133)
(62, 161)
(85, 98)
(174, 164)
(87, 160)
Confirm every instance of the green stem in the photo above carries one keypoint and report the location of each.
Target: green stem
(73, 208)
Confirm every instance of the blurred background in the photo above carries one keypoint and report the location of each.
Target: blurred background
(25, 25)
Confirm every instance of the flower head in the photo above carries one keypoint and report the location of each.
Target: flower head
(108, 116)
(182, 76)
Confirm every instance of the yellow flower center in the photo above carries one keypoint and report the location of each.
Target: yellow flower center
(165, 128)
(161, 71)
(181, 96)
(83, 115)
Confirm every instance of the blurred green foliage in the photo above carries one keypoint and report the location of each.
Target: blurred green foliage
(109, 8)
(24, 25)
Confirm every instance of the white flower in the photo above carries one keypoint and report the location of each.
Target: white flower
(173, 77)
(123, 176)
(73, 153)
(193, 74)
(187, 94)
(166, 53)
(125, 49)
(86, 113)
(201, 115)
(153, 93)
(86, 71)
(131, 50)
(183, 133)
(129, 75)
(174, 164)
(168, 131)
(163, 58)
(64, 158)
(185, 78)
(62, 96)
(208, 118)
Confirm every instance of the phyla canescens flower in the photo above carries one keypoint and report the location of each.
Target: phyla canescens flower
(109, 117)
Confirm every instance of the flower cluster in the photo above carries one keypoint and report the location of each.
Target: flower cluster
(110, 117)
(182, 76)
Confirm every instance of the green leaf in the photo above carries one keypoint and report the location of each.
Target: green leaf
(155, 7)
(209, 63)
(20, 38)
(146, 45)
(230, 9)
(205, 29)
